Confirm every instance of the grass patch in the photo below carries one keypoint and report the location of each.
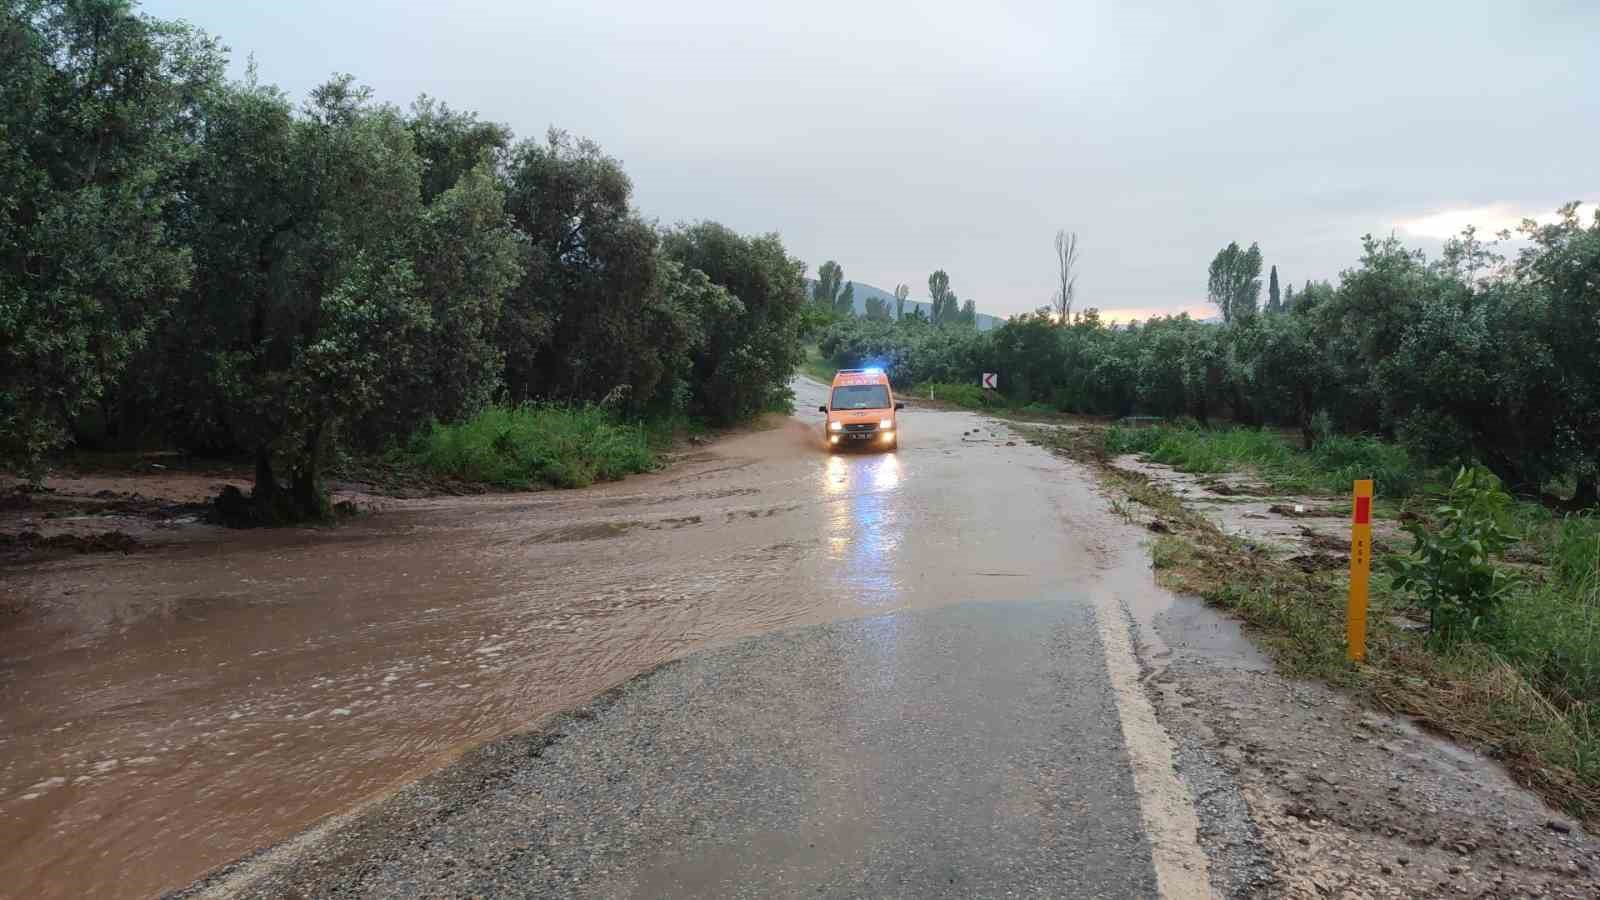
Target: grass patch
(1526, 690)
(534, 446)
(1550, 633)
(993, 403)
(817, 366)
(1330, 467)
(967, 396)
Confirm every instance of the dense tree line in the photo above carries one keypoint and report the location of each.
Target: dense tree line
(204, 263)
(1470, 357)
(833, 299)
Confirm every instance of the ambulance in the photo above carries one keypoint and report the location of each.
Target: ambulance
(861, 412)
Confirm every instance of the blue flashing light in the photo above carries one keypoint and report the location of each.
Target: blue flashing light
(873, 371)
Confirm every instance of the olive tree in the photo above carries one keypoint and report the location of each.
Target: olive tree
(452, 143)
(306, 302)
(571, 329)
(747, 359)
(1290, 370)
(466, 257)
(1562, 266)
(97, 119)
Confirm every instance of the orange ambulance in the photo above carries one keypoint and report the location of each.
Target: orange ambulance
(861, 412)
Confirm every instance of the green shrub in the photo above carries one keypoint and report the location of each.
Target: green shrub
(818, 367)
(1341, 460)
(1331, 466)
(1577, 555)
(1451, 569)
(968, 395)
(1434, 436)
(1552, 633)
(1124, 439)
(529, 446)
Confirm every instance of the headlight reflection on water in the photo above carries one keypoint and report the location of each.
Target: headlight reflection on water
(864, 527)
(860, 475)
(886, 472)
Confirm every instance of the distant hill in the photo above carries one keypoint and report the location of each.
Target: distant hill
(863, 291)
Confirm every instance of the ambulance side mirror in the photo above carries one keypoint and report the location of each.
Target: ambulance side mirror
(899, 406)
(822, 409)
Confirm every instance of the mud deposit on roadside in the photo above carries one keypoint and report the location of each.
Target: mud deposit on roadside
(127, 508)
(1352, 803)
(1340, 801)
(1248, 508)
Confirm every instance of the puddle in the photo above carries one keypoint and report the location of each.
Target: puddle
(1189, 629)
(1173, 626)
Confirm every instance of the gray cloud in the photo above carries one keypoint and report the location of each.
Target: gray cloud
(902, 137)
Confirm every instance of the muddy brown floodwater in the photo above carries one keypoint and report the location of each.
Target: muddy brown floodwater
(169, 711)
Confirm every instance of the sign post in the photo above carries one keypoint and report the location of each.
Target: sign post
(1360, 569)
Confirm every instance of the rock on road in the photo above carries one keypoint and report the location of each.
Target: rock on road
(892, 674)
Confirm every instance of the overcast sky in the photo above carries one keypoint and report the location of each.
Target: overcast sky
(898, 138)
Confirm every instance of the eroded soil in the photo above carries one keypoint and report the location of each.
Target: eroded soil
(1343, 801)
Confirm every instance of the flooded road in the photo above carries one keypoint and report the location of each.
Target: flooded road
(168, 712)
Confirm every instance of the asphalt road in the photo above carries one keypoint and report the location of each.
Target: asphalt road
(973, 750)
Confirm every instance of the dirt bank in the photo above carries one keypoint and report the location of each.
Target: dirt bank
(117, 504)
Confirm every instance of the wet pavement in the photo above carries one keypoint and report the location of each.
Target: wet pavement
(968, 751)
(165, 713)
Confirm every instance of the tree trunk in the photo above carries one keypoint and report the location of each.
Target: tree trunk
(1587, 494)
(265, 490)
(1308, 436)
(309, 502)
(1241, 410)
(307, 488)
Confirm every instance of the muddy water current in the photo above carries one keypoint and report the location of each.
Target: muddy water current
(167, 712)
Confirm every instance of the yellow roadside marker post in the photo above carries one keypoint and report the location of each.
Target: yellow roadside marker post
(1360, 569)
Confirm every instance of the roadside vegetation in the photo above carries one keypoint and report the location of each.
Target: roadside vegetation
(1329, 466)
(816, 367)
(970, 396)
(533, 446)
(1473, 358)
(1484, 621)
(208, 265)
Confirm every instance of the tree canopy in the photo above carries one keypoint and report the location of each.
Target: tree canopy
(205, 263)
(1462, 359)
(1235, 282)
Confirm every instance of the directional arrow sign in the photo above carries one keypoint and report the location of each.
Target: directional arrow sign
(990, 380)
